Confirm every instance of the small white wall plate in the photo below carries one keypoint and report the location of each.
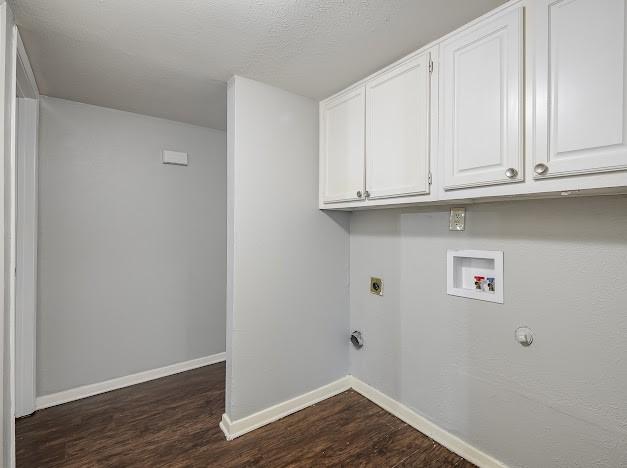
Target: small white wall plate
(462, 267)
(174, 157)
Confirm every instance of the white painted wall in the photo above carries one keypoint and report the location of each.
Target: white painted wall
(288, 261)
(132, 261)
(560, 402)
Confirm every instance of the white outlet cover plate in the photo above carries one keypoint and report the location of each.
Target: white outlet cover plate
(457, 220)
(463, 265)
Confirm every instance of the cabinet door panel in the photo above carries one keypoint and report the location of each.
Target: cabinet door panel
(481, 96)
(580, 123)
(397, 130)
(342, 126)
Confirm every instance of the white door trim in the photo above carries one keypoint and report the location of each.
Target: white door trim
(26, 256)
(25, 81)
(9, 282)
(24, 193)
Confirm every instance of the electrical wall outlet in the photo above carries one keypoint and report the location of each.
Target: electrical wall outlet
(457, 220)
(376, 286)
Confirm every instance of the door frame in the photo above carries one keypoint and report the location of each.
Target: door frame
(25, 234)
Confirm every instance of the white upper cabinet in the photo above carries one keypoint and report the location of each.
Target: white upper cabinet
(397, 130)
(580, 87)
(342, 141)
(481, 103)
(527, 100)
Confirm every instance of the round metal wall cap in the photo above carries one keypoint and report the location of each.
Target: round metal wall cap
(357, 339)
(524, 336)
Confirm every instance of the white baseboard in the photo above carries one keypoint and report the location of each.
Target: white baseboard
(226, 425)
(233, 429)
(85, 391)
(443, 437)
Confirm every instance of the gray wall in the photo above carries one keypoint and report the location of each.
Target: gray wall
(559, 403)
(288, 261)
(132, 262)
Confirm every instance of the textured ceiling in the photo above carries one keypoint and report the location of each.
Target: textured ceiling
(171, 58)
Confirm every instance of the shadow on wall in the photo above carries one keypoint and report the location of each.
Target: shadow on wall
(579, 219)
(341, 218)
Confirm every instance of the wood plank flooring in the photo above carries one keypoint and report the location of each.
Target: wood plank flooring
(173, 422)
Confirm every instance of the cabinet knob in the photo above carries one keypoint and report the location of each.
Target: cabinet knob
(511, 173)
(541, 169)
(366, 194)
(359, 194)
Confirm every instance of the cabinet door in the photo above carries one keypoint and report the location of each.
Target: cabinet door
(580, 83)
(481, 94)
(397, 130)
(342, 127)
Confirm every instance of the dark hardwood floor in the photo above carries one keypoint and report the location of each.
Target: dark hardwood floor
(173, 422)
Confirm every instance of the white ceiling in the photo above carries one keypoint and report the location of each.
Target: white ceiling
(171, 58)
